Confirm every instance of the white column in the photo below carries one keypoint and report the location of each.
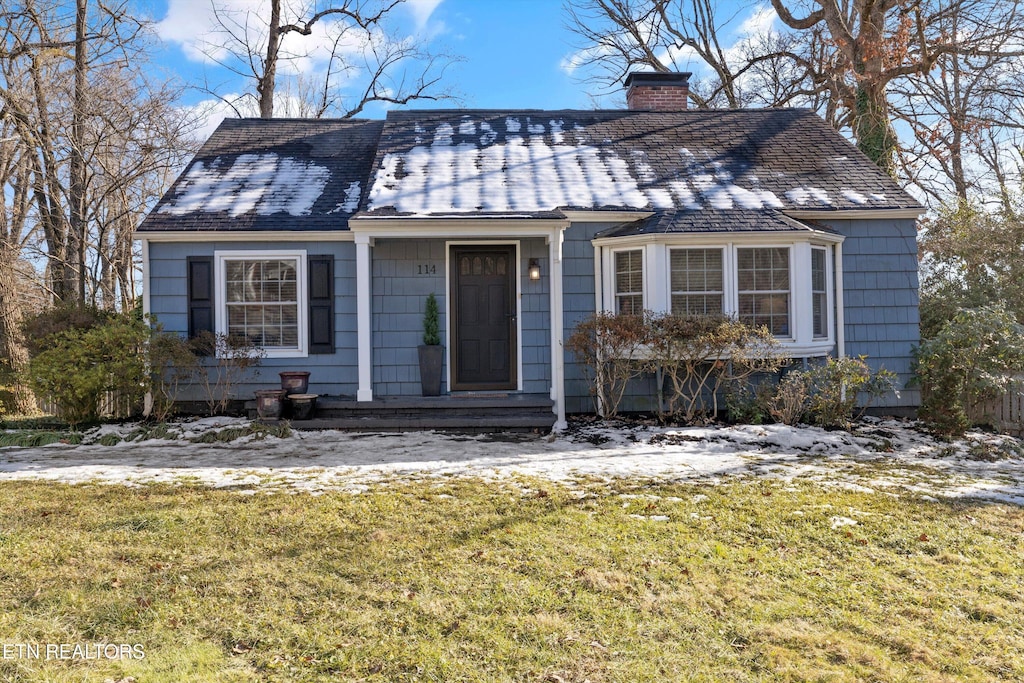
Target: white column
(840, 314)
(557, 325)
(801, 320)
(364, 317)
(147, 402)
(656, 281)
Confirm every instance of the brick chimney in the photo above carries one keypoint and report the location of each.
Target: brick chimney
(657, 91)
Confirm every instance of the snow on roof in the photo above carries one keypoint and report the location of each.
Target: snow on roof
(264, 183)
(461, 162)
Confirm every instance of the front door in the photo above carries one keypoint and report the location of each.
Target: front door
(482, 293)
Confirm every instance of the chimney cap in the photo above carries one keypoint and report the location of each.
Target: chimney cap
(669, 78)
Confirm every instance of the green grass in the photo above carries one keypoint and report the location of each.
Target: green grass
(472, 581)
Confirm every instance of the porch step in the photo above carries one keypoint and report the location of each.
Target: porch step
(460, 413)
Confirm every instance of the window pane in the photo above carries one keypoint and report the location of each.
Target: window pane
(819, 293)
(696, 281)
(696, 304)
(262, 301)
(629, 282)
(763, 279)
(820, 315)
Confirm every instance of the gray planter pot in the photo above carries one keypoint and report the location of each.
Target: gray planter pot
(431, 360)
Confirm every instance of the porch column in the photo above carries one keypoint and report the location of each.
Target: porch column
(364, 317)
(840, 313)
(557, 324)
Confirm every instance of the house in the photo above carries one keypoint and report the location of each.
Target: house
(322, 238)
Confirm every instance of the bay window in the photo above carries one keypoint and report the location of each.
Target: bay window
(784, 282)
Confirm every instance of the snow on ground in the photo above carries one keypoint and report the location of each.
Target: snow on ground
(888, 457)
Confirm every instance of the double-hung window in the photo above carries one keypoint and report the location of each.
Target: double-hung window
(762, 278)
(696, 281)
(262, 297)
(819, 292)
(629, 282)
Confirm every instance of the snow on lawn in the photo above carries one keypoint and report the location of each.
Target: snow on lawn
(888, 457)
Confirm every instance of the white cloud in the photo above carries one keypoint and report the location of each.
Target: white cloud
(421, 11)
(759, 23)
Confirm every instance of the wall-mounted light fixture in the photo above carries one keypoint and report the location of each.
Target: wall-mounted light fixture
(534, 270)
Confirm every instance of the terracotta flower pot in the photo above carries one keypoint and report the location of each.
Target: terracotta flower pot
(294, 382)
(269, 403)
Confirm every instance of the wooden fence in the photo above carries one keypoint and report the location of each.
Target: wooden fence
(1005, 414)
(112, 405)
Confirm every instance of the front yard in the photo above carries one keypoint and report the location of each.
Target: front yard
(789, 558)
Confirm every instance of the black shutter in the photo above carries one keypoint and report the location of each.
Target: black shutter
(200, 295)
(321, 304)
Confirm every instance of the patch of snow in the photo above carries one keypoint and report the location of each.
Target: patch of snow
(351, 202)
(802, 195)
(512, 125)
(878, 197)
(534, 128)
(838, 522)
(467, 127)
(557, 137)
(266, 184)
(489, 134)
(855, 197)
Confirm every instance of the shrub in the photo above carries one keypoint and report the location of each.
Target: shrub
(232, 357)
(700, 355)
(973, 358)
(431, 322)
(76, 367)
(749, 403)
(171, 365)
(41, 327)
(790, 402)
(831, 394)
(836, 386)
(610, 349)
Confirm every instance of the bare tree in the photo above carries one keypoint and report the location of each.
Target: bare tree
(87, 146)
(843, 58)
(357, 36)
(667, 35)
(965, 115)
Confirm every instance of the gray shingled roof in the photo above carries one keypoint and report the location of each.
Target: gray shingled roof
(697, 170)
(279, 174)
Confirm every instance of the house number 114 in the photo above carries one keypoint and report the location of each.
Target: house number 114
(426, 269)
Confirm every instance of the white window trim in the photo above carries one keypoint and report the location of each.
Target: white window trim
(658, 286)
(829, 288)
(220, 293)
(645, 288)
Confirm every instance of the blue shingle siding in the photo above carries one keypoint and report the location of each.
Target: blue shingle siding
(399, 300)
(335, 374)
(400, 288)
(881, 296)
(578, 304)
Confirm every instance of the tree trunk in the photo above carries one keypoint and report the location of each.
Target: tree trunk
(12, 339)
(77, 233)
(871, 126)
(266, 84)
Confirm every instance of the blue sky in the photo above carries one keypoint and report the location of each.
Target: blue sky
(514, 51)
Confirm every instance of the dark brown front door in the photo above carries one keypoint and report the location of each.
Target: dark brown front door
(483, 317)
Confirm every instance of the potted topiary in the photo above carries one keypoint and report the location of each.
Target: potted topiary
(431, 352)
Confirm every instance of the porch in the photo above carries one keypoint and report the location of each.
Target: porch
(456, 412)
